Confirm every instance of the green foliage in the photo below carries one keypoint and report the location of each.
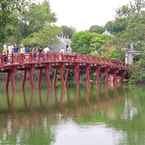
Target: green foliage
(67, 31)
(117, 26)
(9, 10)
(37, 17)
(129, 26)
(114, 54)
(117, 55)
(97, 29)
(22, 19)
(138, 71)
(43, 37)
(87, 42)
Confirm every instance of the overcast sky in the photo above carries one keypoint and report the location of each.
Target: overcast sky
(83, 13)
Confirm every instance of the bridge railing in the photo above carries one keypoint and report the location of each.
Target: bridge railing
(20, 59)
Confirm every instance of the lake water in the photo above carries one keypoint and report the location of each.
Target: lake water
(85, 117)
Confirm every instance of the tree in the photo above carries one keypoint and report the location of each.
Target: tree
(129, 26)
(87, 42)
(43, 37)
(37, 26)
(138, 70)
(117, 26)
(36, 17)
(134, 8)
(21, 18)
(67, 31)
(7, 10)
(97, 29)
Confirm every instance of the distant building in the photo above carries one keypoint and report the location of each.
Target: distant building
(131, 54)
(63, 45)
(107, 33)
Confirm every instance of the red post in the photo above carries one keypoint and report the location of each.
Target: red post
(106, 75)
(21, 58)
(62, 79)
(7, 81)
(23, 82)
(32, 79)
(29, 72)
(40, 84)
(97, 80)
(97, 76)
(88, 75)
(11, 78)
(114, 79)
(30, 57)
(48, 82)
(77, 74)
(55, 81)
(67, 75)
(12, 58)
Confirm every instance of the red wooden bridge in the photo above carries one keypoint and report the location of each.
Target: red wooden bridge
(112, 70)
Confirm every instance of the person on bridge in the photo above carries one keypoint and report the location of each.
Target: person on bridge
(5, 54)
(22, 50)
(26, 50)
(10, 49)
(5, 50)
(46, 50)
(68, 49)
(15, 50)
(34, 52)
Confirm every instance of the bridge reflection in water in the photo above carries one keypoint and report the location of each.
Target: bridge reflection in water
(34, 126)
(57, 98)
(82, 116)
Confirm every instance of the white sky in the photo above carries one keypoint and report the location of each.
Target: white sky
(81, 14)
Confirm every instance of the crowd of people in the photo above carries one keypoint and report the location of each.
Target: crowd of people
(13, 49)
(7, 51)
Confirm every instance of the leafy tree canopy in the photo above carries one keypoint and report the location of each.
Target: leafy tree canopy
(97, 29)
(129, 26)
(87, 42)
(43, 37)
(25, 20)
(37, 17)
(67, 31)
(9, 10)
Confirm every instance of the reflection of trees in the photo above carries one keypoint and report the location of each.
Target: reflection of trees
(94, 109)
(125, 115)
(33, 129)
(133, 124)
(130, 111)
(102, 111)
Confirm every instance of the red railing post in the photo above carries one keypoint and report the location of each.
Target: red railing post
(106, 75)
(88, 75)
(77, 74)
(97, 76)
(30, 58)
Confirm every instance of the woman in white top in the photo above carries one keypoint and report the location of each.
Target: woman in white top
(46, 50)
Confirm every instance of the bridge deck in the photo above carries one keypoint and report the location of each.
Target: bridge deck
(22, 60)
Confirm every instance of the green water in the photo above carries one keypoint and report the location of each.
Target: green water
(105, 117)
